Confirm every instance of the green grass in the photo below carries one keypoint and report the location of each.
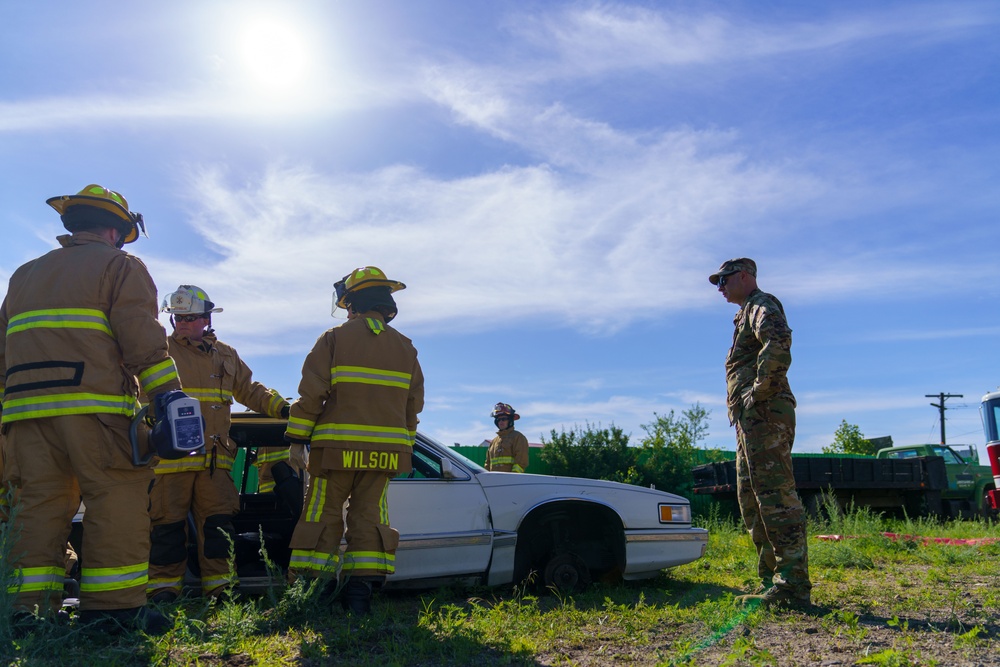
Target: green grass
(879, 602)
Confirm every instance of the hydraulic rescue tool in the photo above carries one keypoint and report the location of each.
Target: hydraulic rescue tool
(179, 429)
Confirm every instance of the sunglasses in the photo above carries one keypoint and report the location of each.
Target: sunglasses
(724, 279)
(188, 318)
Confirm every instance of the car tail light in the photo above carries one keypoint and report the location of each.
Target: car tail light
(675, 514)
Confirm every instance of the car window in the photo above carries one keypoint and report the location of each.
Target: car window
(425, 465)
(452, 452)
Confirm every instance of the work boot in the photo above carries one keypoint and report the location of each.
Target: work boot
(356, 597)
(23, 623)
(114, 621)
(776, 598)
(165, 596)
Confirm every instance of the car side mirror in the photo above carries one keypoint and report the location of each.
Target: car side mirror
(447, 472)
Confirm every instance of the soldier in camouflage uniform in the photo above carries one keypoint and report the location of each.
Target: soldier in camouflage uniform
(762, 407)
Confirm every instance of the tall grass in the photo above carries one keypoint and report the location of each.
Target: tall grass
(898, 600)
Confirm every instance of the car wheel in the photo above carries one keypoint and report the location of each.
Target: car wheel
(566, 573)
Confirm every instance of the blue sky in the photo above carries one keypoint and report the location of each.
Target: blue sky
(554, 181)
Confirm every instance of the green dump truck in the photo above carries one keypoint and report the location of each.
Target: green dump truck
(922, 480)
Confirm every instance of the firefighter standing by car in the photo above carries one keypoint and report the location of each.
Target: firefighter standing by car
(9, 498)
(508, 451)
(78, 328)
(360, 394)
(213, 373)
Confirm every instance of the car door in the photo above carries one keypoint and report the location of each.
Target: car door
(444, 523)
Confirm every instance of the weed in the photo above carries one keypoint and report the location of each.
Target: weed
(746, 651)
(970, 639)
(890, 657)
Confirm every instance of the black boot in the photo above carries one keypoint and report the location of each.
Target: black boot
(165, 596)
(148, 620)
(356, 597)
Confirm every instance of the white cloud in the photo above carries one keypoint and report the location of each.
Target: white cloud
(607, 37)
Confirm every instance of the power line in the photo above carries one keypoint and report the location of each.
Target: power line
(940, 406)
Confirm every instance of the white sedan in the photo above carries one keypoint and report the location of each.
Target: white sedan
(461, 523)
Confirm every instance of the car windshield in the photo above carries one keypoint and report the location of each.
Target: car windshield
(471, 465)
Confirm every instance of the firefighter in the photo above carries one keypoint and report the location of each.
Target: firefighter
(9, 499)
(79, 338)
(360, 394)
(202, 485)
(508, 451)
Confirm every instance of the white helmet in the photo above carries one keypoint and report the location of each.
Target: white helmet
(188, 300)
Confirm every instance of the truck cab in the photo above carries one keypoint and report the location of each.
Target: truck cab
(989, 410)
(968, 484)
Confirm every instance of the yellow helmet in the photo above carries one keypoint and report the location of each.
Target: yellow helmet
(99, 197)
(363, 278)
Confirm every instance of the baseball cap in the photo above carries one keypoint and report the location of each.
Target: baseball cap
(733, 266)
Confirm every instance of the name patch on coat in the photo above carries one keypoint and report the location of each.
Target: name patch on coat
(366, 460)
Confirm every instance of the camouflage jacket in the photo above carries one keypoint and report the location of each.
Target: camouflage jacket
(758, 361)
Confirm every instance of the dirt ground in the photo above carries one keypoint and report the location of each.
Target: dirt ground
(860, 630)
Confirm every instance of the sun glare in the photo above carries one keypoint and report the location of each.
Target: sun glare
(274, 54)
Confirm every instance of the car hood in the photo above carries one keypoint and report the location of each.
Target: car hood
(551, 485)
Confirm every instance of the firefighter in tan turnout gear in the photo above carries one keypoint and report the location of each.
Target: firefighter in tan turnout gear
(78, 340)
(360, 394)
(203, 485)
(508, 451)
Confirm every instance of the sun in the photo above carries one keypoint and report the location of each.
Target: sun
(274, 54)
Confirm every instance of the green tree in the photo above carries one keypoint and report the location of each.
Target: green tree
(591, 452)
(670, 450)
(848, 439)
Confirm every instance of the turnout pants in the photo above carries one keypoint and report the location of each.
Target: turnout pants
(266, 458)
(371, 543)
(765, 489)
(54, 462)
(211, 497)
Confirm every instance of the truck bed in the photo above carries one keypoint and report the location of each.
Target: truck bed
(914, 484)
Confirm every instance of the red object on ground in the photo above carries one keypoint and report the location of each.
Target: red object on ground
(916, 538)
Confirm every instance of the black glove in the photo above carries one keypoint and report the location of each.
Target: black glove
(285, 411)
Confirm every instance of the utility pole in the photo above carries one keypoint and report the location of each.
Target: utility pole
(940, 406)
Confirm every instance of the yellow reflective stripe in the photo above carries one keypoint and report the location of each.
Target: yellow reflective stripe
(304, 559)
(376, 326)
(383, 505)
(266, 486)
(209, 394)
(365, 375)
(208, 583)
(54, 405)
(299, 428)
(158, 375)
(503, 460)
(271, 457)
(165, 583)
(60, 318)
(317, 498)
(276, 404)
(517, 468)
(379, 561)
(31, 579)
(96, 579)
(196, 462)
(365, 433)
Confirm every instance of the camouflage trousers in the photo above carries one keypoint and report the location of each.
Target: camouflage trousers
(765, 489)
